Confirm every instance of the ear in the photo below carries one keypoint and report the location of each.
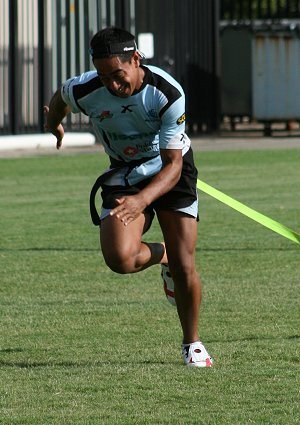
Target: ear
(136, 59)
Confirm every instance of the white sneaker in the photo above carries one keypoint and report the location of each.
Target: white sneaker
(195, 355)
(168, 283)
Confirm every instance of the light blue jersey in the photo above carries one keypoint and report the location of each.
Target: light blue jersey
(136, 127)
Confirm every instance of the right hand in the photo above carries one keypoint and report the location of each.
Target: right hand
(58, 131)
(128, 208)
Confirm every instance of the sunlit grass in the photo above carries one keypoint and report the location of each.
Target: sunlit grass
(82, 345)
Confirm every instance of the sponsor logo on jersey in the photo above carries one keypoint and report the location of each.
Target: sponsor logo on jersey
(116, 136)
(127, 108)
(130, 151)
(104, 115)
(148, 146)
(181, 119)
(141, 147)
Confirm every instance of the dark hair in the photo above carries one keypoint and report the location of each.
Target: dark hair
(113, 41)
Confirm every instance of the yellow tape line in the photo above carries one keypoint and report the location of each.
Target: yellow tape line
(249, 212)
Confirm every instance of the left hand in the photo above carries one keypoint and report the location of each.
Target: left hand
(128, 209)
(58, 131)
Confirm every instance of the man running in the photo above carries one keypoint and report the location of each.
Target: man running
(138, 113)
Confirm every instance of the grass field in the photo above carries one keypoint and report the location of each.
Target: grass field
(81, 345)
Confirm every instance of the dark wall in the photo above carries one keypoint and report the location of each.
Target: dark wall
(186, 45)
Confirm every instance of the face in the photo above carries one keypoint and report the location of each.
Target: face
(121, 78)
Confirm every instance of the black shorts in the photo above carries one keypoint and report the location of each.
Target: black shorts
(182, 195)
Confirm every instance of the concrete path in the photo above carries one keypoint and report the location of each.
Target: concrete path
(244, 143)
(44, 144)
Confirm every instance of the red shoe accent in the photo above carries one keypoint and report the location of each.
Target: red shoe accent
(208, 362)
(168, 292)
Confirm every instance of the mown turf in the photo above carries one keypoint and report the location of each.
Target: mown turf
(81, 345)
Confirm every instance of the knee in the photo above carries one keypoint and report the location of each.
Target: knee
(183, 272)
(120, 265)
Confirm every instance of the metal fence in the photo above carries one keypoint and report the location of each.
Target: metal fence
(259, 9)
(44, 42)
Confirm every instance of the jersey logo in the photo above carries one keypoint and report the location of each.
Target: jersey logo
(181, 119)
(152, 113)
(126, 108)
(130, 151)
(105, 114)
(153, 116)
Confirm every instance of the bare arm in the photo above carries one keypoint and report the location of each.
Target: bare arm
(130, 207)
(167, 178)
(55, 113)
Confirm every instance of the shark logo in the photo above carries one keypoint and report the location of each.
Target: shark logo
(104, 115)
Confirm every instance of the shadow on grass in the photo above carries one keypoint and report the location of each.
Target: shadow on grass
(198, 249)
(11, 350)
(49, 249)
(70, 364)
(255, 338)
(247, 249)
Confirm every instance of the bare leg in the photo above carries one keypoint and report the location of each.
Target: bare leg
(180, 233)
(122, 248)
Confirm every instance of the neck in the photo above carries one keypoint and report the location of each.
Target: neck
(141, 74)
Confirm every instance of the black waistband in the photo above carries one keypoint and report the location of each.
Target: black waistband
(115, 165)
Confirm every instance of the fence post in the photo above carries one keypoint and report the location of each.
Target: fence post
(41, 66)
(12, 68)
(122, 8)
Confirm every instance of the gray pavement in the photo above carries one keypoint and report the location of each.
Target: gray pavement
(244, 143)
(205, 143)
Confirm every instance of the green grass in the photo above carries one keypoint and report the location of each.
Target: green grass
(81, 345)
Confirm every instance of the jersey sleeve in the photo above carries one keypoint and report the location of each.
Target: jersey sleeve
(67, 93)
(172, 132)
